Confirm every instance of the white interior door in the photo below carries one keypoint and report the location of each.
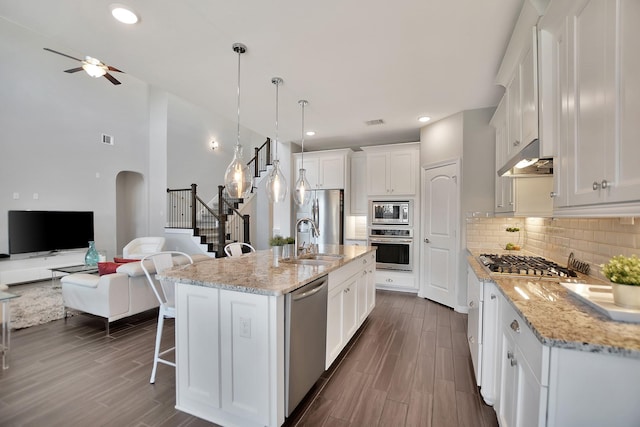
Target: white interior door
(439, 234)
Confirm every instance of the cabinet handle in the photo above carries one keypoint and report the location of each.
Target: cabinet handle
(515, 326)
(509, 355)
(427, 240)
(493, 296)
(500, 205)
(553, 194)
(514, 362)
(516, 143)
(600, 185)
(470, 303)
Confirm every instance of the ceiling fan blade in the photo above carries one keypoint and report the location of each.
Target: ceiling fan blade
(111, 79)
(110, 68)
(63, 54)
(73, 70)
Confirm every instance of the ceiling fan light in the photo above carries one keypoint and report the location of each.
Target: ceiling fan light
(94, 70)
(124, 14)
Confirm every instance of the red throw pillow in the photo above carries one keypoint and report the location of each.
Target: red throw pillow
(124, 260)
(107, 267)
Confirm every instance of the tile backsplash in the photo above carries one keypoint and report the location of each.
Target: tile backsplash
(593, 240)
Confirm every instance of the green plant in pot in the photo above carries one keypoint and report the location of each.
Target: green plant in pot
(277, 240)
(624, 274)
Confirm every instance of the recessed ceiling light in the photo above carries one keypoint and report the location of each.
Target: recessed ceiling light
(123, 14)
(310, 133)
(424, 119)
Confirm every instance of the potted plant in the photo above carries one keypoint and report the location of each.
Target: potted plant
(624, 274)
(277, 242)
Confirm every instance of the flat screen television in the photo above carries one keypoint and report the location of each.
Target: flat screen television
(42, 231)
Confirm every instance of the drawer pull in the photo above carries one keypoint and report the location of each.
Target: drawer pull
(515, 326)
(493, 296)
(509, 354)
(514, 362)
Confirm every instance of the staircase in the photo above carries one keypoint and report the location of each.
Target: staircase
(216, 223)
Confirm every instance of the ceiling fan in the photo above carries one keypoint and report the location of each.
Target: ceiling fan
(92, 66)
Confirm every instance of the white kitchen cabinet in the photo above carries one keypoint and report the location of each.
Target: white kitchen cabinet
(358, 184)
(348, 304)
(518, 196)
(504, 202)
(397, 280)
(596, 66)
(218, 376)
(370, 268)
(325, 170)
(474, 322)
(392, 170)
(490, 342)
(524, 372)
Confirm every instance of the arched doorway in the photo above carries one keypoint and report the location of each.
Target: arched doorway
(131, 208)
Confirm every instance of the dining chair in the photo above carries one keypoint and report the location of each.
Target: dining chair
(235, 249)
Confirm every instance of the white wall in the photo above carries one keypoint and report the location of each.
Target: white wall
(50, 128)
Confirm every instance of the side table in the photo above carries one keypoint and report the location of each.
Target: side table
(72, 269)
(5, 298)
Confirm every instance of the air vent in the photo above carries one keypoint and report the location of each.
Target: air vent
(107, 139)
(374, 122)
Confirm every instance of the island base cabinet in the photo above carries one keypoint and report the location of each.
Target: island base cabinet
(593, 389)
(230, 356)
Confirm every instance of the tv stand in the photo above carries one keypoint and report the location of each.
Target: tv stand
(37, 267)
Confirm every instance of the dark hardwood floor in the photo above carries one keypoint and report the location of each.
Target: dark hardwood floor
(409, 365)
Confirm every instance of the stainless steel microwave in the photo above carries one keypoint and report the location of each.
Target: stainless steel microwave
(388, 212)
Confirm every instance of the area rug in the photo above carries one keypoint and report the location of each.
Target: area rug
(36, 305)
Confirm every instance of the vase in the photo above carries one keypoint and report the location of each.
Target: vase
(627, 296)
(92, 256)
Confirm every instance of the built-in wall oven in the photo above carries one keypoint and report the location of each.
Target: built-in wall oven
(394, 247)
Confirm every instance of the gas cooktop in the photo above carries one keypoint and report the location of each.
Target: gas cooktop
(522, 265)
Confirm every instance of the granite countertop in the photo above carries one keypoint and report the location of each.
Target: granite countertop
(256, 273)
(560, 320)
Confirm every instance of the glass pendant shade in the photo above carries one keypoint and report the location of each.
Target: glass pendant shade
(237, 178)
(276, 183)
(302, 192)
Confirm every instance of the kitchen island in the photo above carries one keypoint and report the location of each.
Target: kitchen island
(230, 328)
(549, 359)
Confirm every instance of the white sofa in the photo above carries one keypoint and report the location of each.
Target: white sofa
(114, 296)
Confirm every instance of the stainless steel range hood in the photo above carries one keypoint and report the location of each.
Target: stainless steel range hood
(527, 163)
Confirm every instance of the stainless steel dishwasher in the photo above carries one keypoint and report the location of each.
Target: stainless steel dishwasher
(305, 340)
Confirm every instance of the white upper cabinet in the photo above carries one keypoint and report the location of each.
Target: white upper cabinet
(596, 69)
(358, 184)
(504, 186)
(325, 170)
(392, 170)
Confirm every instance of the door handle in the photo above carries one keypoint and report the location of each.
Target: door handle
(427, 240)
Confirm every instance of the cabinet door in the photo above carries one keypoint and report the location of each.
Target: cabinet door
(197, 349)
(626, 172)
(402, 172)
(311, 166)
(514, 115)
(377, 174)
(350, 308)
(490, 337)
(474, 323)
(358, 185)
(591, 74)
(362, 303)
(334, 324)
(506, 405)
(529, 411)
(371, 282)
(529, 95)
(331, 171)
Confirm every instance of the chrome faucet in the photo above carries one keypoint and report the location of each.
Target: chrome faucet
(314, 233)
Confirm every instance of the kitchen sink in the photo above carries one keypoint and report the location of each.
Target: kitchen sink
(314, 259)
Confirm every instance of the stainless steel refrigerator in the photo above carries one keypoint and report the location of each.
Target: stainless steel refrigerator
(326, 208)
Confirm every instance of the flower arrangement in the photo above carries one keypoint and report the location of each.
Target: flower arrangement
(623, 270)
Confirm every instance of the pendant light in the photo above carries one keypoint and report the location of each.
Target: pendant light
(302, 188)
(237, 179)
(276, 183)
